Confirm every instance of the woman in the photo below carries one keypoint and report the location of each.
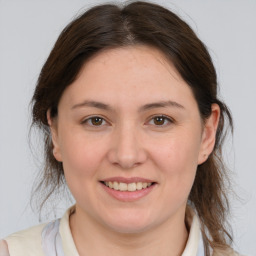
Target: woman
(127, 101)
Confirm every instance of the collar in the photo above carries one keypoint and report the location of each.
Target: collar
(194, 246)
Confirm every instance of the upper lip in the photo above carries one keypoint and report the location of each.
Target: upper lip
(128, 180)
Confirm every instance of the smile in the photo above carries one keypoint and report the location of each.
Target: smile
(121, 186)
(128, 189)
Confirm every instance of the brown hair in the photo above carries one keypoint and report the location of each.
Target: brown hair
(139, 23)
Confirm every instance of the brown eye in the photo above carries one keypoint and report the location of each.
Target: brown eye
(159, 120)
(96, 121)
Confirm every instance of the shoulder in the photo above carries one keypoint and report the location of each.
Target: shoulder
(39, 239)
(26, 242)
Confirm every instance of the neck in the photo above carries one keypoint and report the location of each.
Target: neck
(92, 238)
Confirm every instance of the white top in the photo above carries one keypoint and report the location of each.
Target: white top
(55, 239)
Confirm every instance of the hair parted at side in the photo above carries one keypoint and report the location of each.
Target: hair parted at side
(139, 23)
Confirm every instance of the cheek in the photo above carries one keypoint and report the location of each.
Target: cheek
(177, 151)
(177, 159)
(81, 154)
(82, 157)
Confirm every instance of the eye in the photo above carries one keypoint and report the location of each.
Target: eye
(94, 121)
(161, 120)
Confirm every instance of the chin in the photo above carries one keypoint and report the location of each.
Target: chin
(129, 228)
(131, 223)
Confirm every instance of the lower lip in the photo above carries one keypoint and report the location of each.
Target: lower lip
(128, 196)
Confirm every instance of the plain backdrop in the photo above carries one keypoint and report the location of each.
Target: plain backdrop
(28, 30)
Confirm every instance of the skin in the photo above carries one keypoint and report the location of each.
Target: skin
(4, 248)
(129, 142)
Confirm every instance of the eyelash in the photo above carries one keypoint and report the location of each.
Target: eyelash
(90, 119)
(165, 118)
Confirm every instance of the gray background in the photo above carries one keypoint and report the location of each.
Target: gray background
(28, 30)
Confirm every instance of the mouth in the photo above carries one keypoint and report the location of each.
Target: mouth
(127, 187)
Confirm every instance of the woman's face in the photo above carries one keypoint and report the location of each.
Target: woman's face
(130, 122)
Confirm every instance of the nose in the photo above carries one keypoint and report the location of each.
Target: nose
(127, 149)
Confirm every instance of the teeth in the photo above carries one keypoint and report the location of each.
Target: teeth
(127, 187)
(110, 184)
(115, 185)
(132, 187)
(139, 185)
(122, 186)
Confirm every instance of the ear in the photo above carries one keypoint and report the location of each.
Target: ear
(209, 134)
(54, 134)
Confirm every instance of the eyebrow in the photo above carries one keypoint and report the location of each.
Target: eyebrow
(94, 104)
(103, 106)
(161, 104)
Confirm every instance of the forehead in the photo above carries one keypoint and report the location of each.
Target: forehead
(140, 58)
(134, 74)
